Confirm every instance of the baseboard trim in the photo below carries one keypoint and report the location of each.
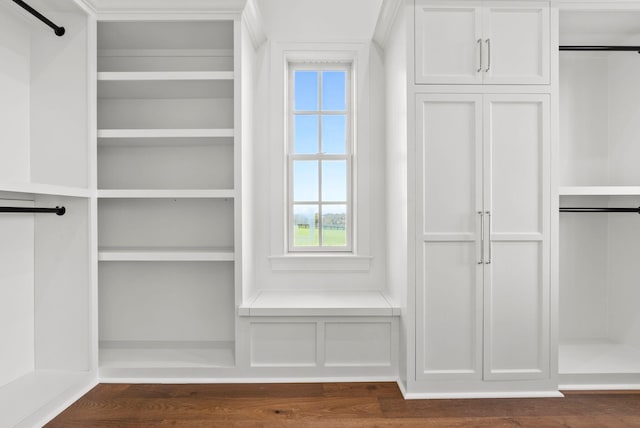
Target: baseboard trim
(472, 395)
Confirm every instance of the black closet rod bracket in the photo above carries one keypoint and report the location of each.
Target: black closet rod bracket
(599, 210)
(601, 48)
(56, 210)
(58, 30)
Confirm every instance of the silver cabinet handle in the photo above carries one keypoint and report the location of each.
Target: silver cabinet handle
(489, 215)
(480, 56)
(481, 237)
(488, 54)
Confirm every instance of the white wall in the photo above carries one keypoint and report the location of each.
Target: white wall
(44, 104)
(395, 61)
(15, 41)
(320, 21)
(63, 290)
(59, 103)
(16, 293)
(340, 23)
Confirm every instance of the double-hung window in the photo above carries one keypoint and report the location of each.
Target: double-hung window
(319, 157)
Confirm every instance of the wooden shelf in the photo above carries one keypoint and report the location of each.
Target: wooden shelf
(210, 254)
(165, 193)
(165, 133)
(164, 75)
(599, 191)
(154, 354)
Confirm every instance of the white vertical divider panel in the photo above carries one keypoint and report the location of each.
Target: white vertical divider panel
(554, 200)
(238, 103)
(449, 199)
(92, 85)
(517, 189)
(16, 293)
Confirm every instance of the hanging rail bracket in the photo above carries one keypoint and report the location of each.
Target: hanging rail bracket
(58, 30)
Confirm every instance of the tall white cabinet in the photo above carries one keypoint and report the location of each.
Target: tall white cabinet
(480, 97)
(482, 204)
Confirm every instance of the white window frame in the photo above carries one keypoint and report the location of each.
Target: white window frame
(274, 89)
(320, 66)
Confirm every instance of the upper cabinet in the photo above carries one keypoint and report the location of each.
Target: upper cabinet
(475, 42)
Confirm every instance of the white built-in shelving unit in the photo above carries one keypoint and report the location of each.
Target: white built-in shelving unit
(599, 152)
(166, 192)
(47, 296)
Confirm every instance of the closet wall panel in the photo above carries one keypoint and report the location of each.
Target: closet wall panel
(16, 293)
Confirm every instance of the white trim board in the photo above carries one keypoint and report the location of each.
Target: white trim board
(45, 189)
(319, 303)
(466, 395)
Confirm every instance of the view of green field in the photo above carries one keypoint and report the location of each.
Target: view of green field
(306, 237)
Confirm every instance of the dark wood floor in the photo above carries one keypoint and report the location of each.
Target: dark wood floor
(335, 405)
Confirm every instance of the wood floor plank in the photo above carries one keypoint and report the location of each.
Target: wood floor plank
(339, 405)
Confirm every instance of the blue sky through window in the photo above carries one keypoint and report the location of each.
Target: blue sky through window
(306, 90)
(306, 130)
(334, 90)
(305, 134)
(319, 128)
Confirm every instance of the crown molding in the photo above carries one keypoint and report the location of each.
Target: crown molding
(255, 23)
(387, 16)
(166, 6)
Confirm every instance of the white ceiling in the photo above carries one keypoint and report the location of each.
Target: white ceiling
(320, 20)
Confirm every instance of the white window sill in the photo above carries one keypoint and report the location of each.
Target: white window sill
(319, 303)
(320, 263)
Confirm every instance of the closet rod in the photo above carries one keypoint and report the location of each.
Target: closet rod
(599, 210)
(58, 30)
(601, 48)
(56, 210)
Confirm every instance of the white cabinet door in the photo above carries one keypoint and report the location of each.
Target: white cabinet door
(474, 42)
(482, 252)
(449, 197)
(516, 39)
(448, 42)
(516, 300)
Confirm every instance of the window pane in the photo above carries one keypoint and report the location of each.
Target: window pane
(334, 95)
(334, 181)
(334, 134)
(305, 226)
(306, 90)
(305, 181)
(305, 139)
(334, 225)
